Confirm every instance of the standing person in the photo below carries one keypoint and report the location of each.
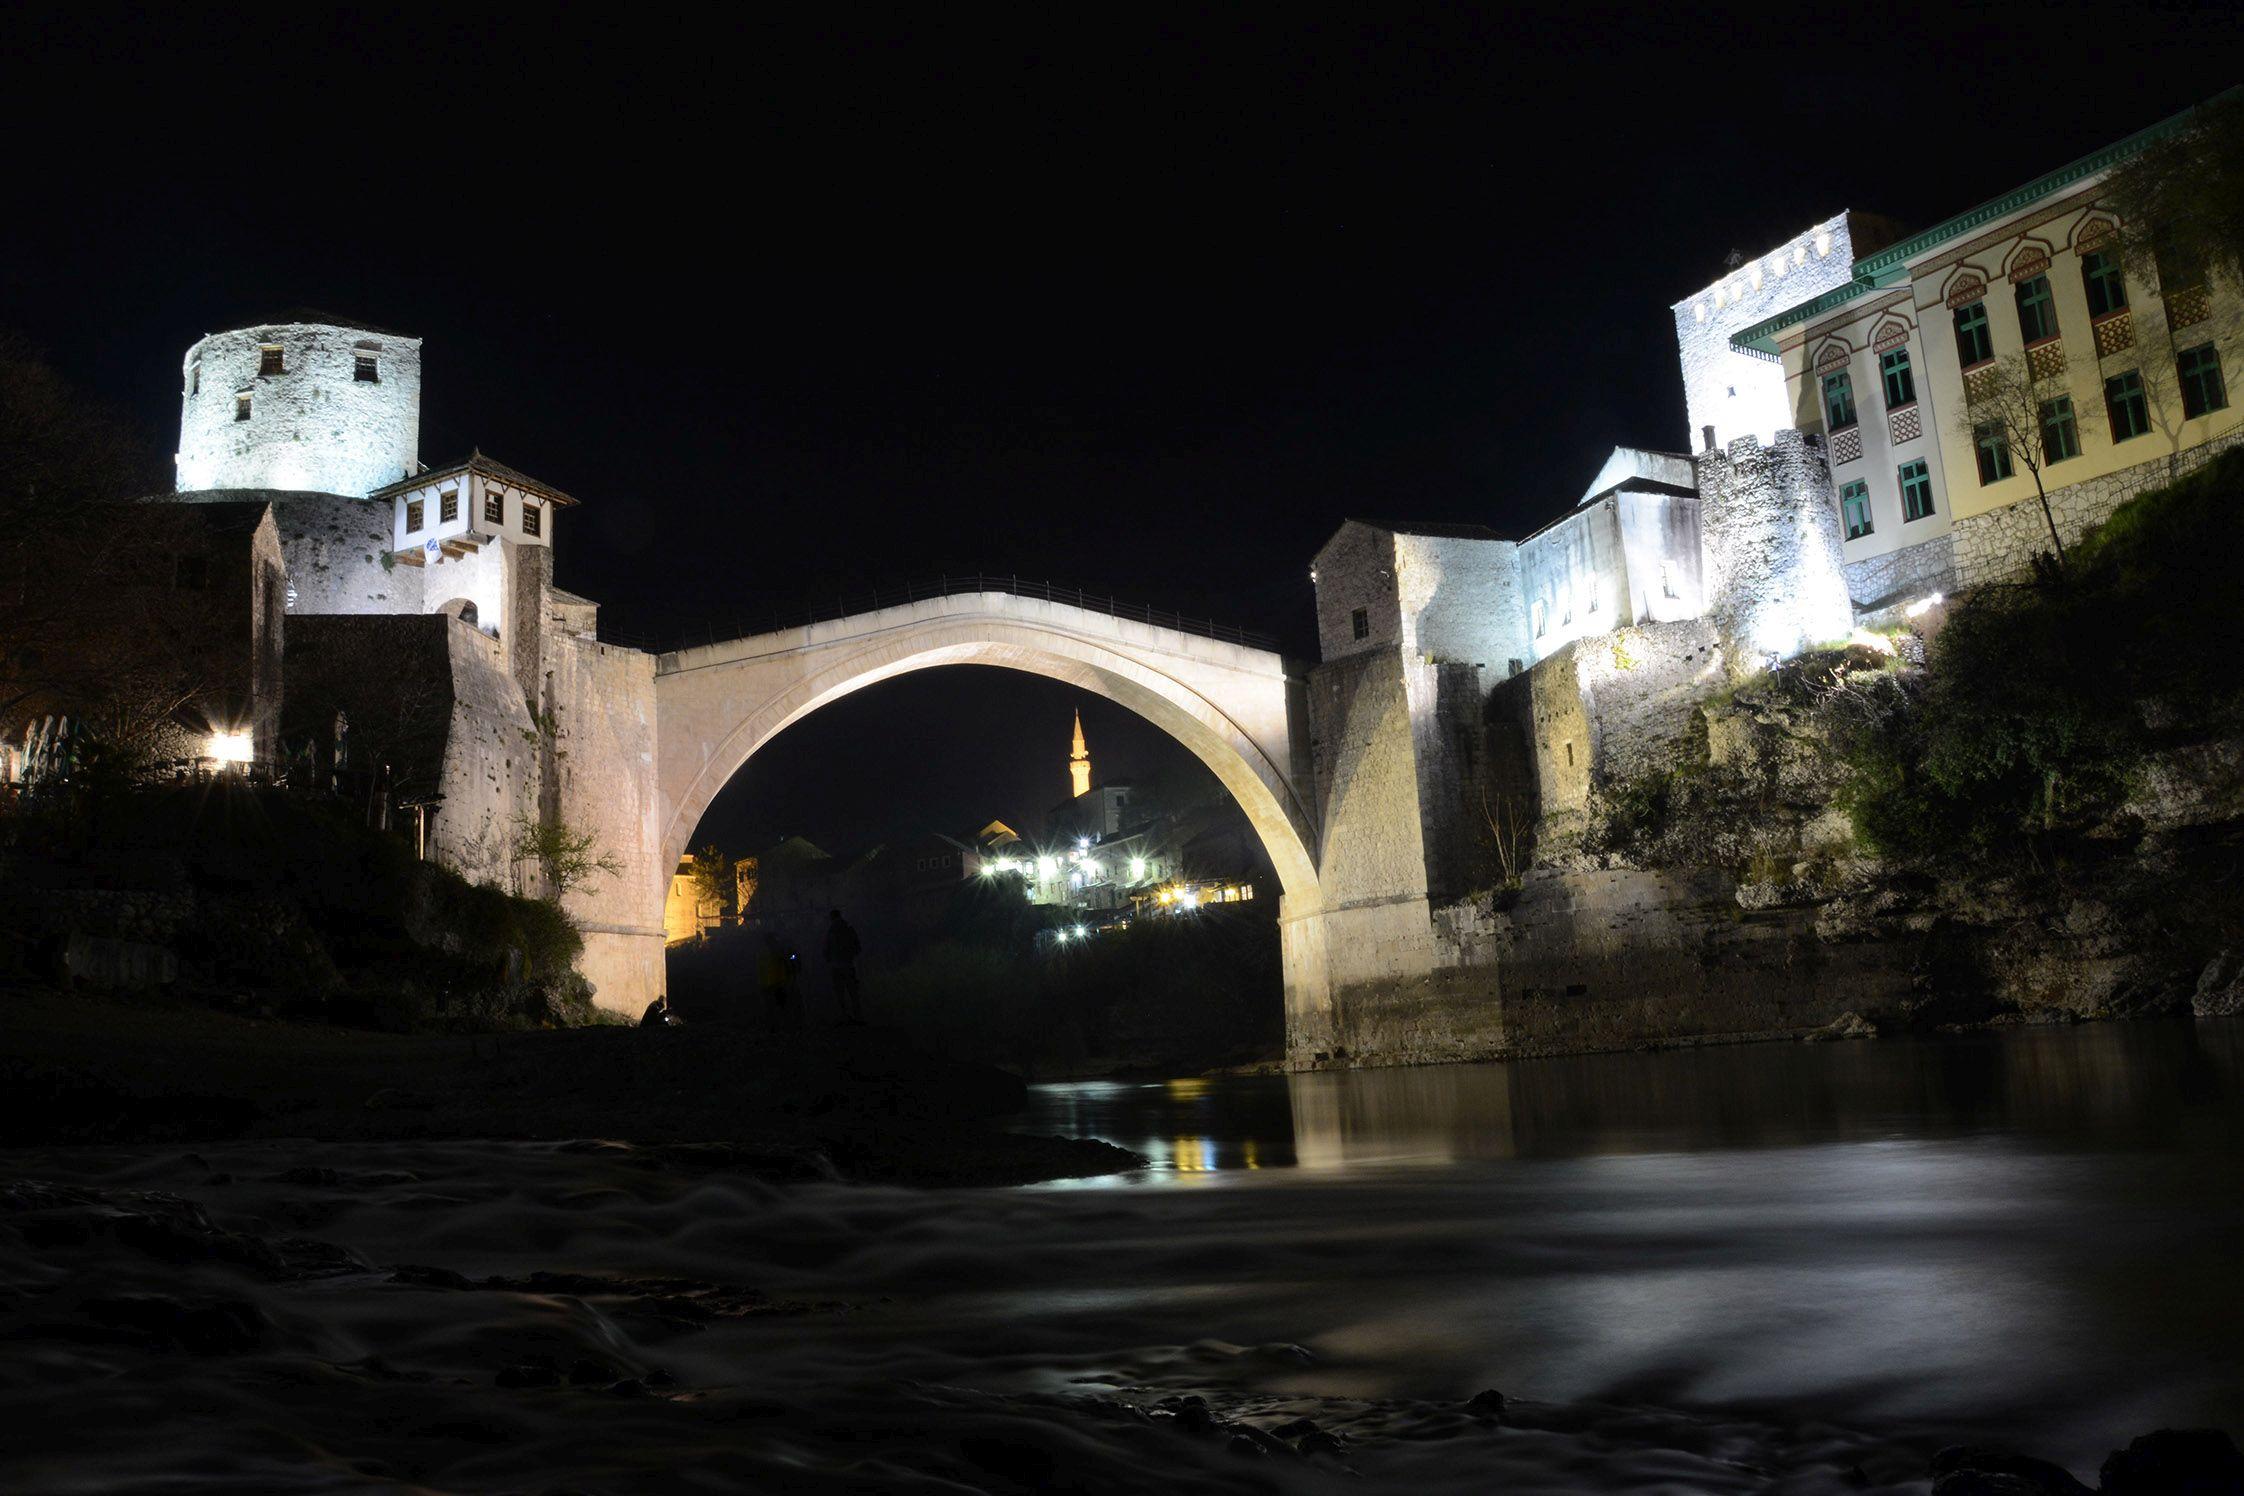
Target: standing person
(842, 947)
(778, 981)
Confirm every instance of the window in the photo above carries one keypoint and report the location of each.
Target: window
(2123, 402)
(363, 369)
(413, 515)
(2202, 389)
(1359, 623)
(2037, 310)
(1901, 383)
(1838, 400)
(1994, 451)
(494, 508)
(241, 407)
(195, 378)
(1854, 507)
(2107, 287)
(447, 506)
(1542, 618)
(2060, 433)
(530, 516)
(269, 359)
(1973, 345)
(1916, 490)
(1667, 580)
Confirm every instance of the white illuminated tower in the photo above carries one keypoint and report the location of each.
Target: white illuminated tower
(1079, 762)
(307, 403)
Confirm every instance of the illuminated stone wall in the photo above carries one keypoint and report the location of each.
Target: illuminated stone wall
(314, 426)
(1999, 545)
(1900, 577)
(602, 781)
(1769, 526)
(1356, 569)
(1735, 393)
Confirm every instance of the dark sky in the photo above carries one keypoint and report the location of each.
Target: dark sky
(803, 306)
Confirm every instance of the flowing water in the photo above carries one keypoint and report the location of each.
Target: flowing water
(1794, 1268)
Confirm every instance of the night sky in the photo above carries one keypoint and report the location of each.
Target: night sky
(798, 309)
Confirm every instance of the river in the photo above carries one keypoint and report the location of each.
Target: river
(1775, 1267)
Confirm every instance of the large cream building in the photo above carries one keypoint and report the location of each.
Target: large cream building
(1898, 368)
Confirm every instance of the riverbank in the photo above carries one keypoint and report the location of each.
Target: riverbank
(861, 1104)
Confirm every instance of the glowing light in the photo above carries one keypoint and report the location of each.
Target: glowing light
(1080, 932)
(1047, 866)
(231, 748)
(1799, 254)
(1823, 244)
(1922, 606)
(1189, 899)
(1082, 844)
(1864, 639)
(1137, 868)
(1700, 309)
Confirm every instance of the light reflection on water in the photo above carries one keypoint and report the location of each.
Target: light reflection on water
(2030, 1231)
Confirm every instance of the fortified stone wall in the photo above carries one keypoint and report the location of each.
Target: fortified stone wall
(314, 426)
(603, 701)
(1775, 579)
(1903, 576)
(334, 547)
(1460, 601)
(2001, 544)
(1356, 569)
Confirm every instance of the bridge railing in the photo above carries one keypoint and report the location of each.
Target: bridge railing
(746, 623)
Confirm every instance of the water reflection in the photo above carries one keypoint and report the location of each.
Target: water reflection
(2100, 1085)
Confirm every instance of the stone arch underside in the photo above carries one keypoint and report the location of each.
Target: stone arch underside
(732, 706)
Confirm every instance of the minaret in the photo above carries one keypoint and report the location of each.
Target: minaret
(1079, 762)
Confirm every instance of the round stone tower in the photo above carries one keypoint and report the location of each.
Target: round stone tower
(308, 402)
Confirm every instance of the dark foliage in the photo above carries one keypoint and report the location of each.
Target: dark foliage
(2042, 699)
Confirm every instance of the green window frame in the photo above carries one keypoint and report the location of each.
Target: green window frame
(1916, 490)
(1838, 400)
(2125, 406)
(2037, 311)
(1974, 344)
(1901, 380)
(2106, 283)
(1854, 509)
(2060, 432)
(1993, 446)
(2202, 386)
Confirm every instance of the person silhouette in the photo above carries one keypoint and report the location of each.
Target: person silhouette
(842, 946)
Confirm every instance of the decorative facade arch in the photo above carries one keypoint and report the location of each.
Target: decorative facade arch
(1965, 284)
(2028, 258)
(1893, 332)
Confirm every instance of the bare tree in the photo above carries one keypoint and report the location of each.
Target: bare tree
(2181, 198)
(2006, 412)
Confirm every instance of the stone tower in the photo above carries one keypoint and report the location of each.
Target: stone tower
(1775, 580)
(307, 404)
(1079, 762)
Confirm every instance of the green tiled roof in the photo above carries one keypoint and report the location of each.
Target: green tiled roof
(1890, 266)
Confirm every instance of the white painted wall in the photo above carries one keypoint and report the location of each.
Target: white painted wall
(1736, 393)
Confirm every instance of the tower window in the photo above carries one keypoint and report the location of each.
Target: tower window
(2202, 388)
(531, 515)
(2124, 403)
(414, 514)
(448, 506)
(269, 359)
(1973, 343)
(195, 378)
(1359, 623)
(241, 407)
(2106, 284)
(1992, 441)
(2060, 433)
(363, 369)
(2037, 310)
(1901, 381)
(1916, 490)
(1838, 400)
(1854, 505)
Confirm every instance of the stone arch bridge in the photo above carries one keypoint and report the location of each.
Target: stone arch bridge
(1240, 708)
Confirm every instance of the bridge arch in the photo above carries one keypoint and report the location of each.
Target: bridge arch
(1237, 709)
